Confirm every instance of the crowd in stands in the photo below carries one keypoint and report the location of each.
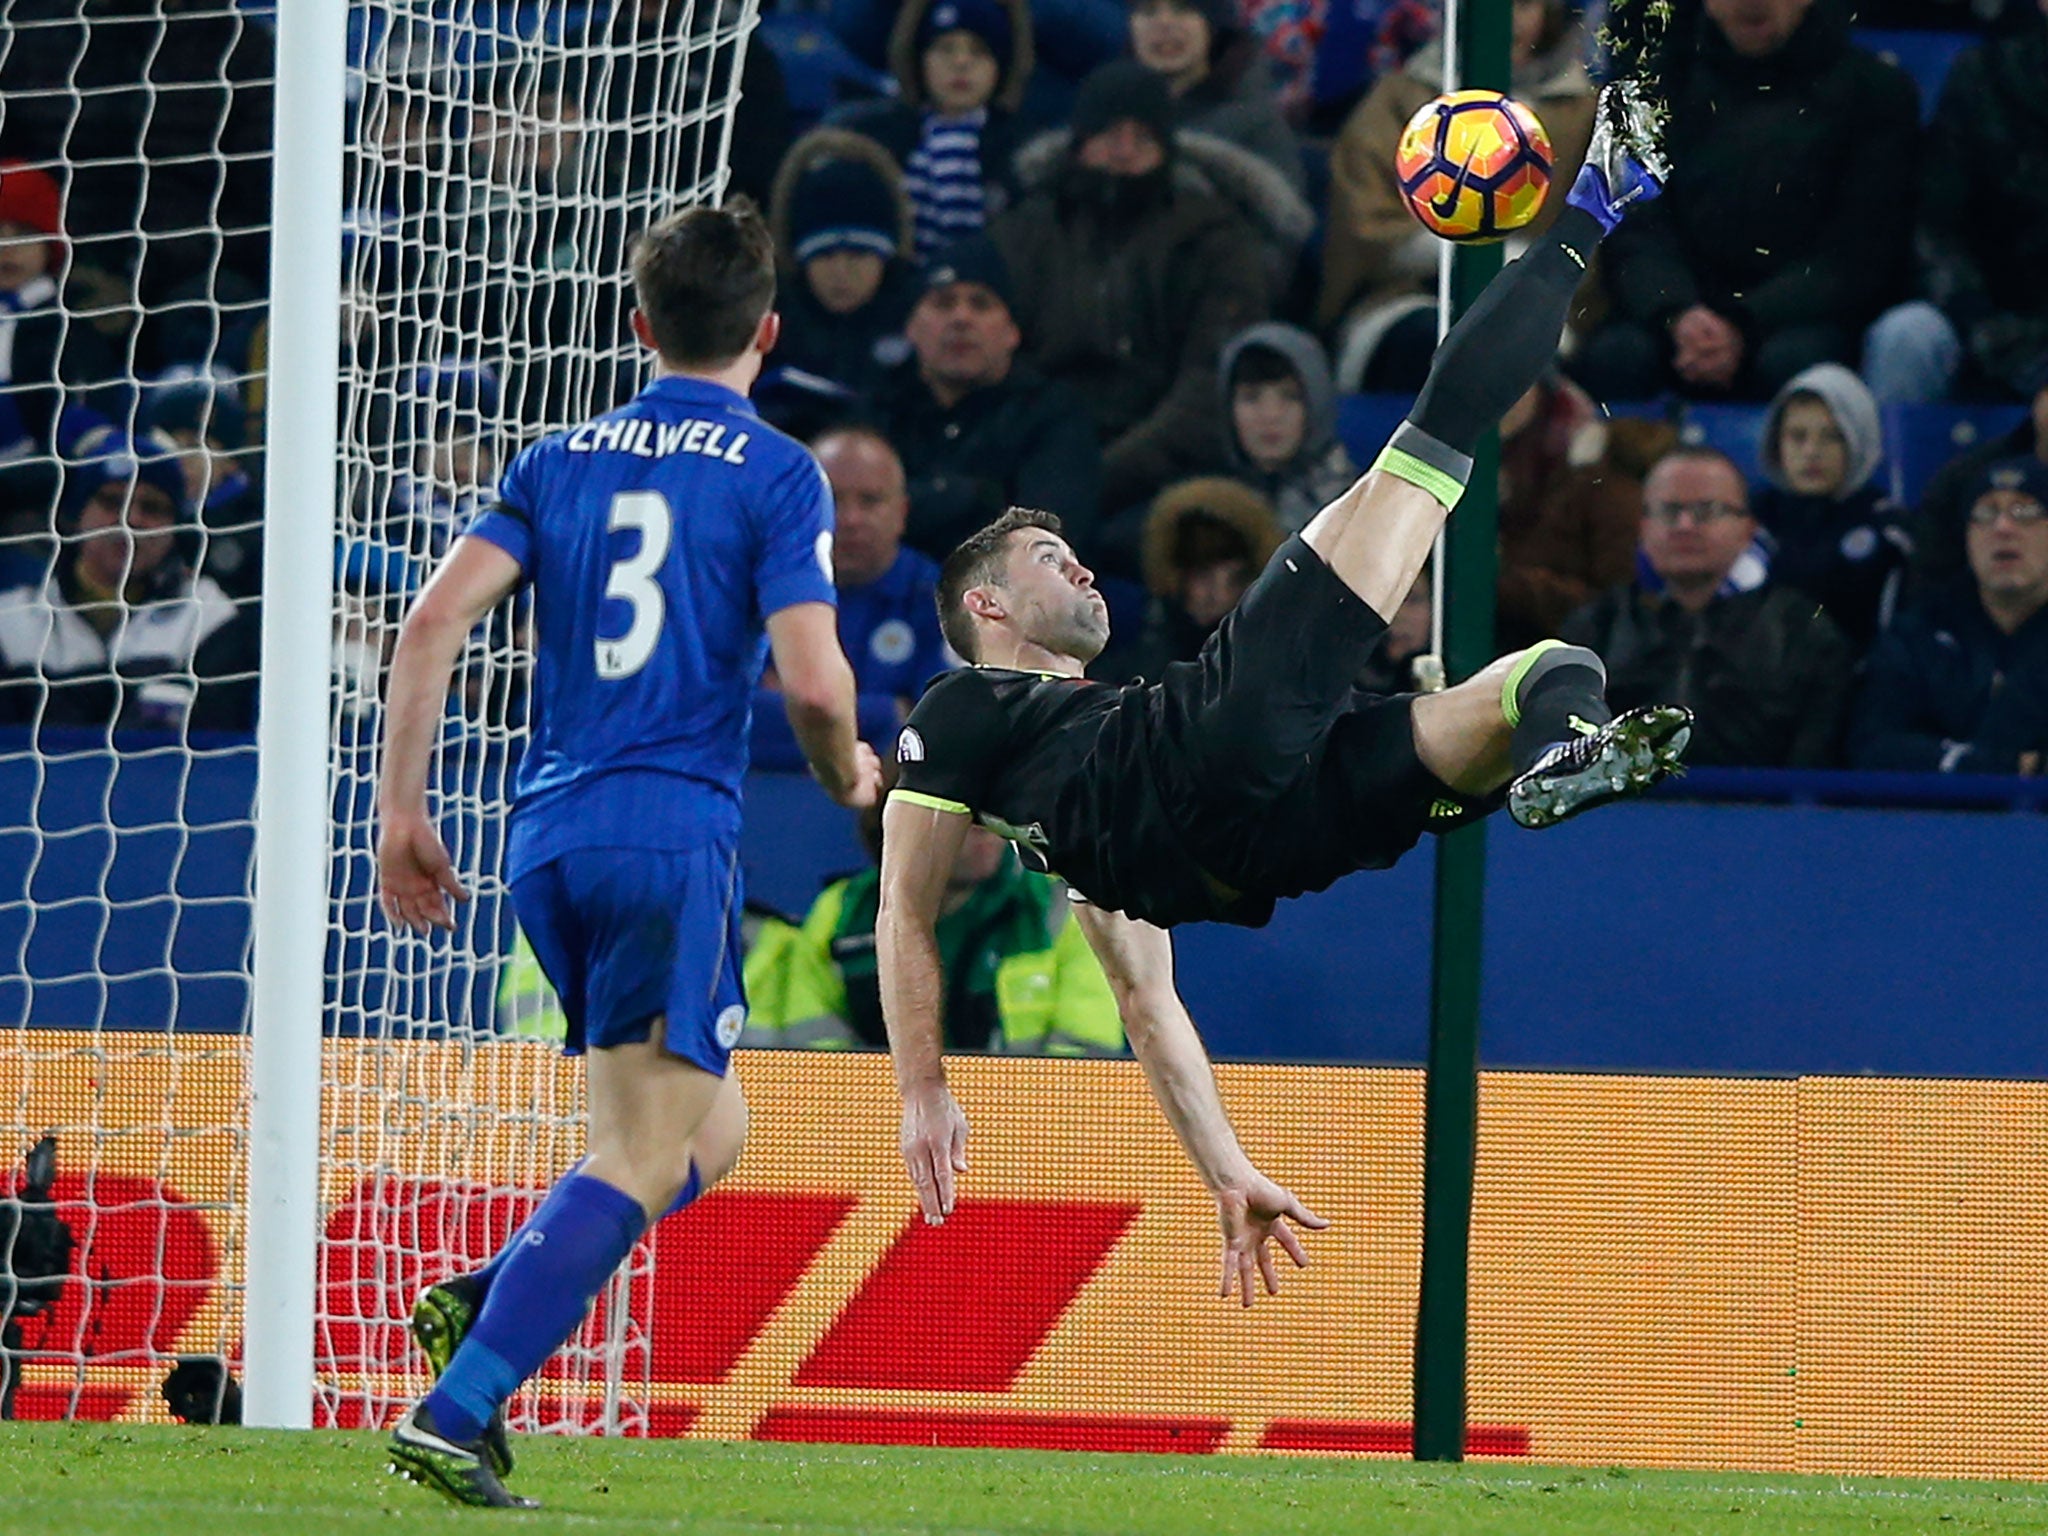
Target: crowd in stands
(1121, 259)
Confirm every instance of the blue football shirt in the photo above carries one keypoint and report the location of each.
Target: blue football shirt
(657, 539)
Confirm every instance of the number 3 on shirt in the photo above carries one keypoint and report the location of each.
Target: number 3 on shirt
(632, 581)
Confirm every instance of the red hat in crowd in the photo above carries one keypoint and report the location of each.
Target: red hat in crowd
(30, 198)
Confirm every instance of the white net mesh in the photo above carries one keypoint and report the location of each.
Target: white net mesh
(499, 158)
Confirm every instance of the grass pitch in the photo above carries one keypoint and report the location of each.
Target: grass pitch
(120, 1480)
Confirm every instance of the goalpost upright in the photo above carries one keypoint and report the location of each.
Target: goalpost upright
(292, 795)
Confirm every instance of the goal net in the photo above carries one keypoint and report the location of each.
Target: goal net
(498, 159)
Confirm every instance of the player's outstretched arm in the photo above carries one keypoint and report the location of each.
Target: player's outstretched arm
(1138, 960)
(415, 876)
(920, 844)
(818, 694)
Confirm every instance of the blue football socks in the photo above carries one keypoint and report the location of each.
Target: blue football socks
(543, 1282)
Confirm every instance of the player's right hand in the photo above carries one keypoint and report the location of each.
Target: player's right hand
(934, 1147)
(865, 788)
(415, 876)
(1252, 1211)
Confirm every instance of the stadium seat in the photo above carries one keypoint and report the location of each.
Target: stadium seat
(1919, 439)
(1737, 430)
(1925, 56)
(818, 69)
(1365, 422)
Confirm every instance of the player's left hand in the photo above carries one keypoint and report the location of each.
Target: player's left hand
(415, 876)
(934, 1148)
(1251, 1212)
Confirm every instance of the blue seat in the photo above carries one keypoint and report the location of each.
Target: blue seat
(1919, 439)
(1365, 422)
(819, 70)
(1924, 56)
(1737, 430)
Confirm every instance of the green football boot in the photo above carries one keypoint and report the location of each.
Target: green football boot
(441, 1319)
(459, 1472)
(1608, 762)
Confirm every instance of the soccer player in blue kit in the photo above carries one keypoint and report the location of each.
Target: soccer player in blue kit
(661, 541)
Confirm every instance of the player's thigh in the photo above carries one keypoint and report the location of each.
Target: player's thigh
(1273, 678)
(550, 922)
(647, 1108)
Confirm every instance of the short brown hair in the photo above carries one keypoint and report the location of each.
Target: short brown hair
(704, 277)
(979, 562)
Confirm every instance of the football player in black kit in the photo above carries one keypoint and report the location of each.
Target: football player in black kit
(1255, 772)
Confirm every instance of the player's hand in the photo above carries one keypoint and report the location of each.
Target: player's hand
(864, 790)
(415, 876)
(934, 1147)
(1253, 1212)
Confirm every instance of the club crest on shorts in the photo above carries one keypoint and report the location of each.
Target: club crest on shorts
(909, 746)
(730, 1022)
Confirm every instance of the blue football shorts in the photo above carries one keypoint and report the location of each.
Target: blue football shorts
(627, 935)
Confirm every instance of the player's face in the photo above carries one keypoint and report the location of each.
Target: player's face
(127, 530)
(1051, 597)
(24, 255)
(1170, 38)
(1271, 420)
(1811, 446)
(2009, 544)
(960, 73)
(1696, 521)
(1123, 149)
(964, 335)
(1757, 28)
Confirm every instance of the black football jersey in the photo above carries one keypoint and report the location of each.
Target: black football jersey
(1062, 767)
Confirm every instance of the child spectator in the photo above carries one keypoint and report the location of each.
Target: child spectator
(1570, 507)
(1766, 675)
(1960, 683)
(206, 421)
(961, 68)
(1221, 86)
(1206, 540)
(123, 632)
(1283, 421)
(1835, 534)
(454, 460)
(842, 229)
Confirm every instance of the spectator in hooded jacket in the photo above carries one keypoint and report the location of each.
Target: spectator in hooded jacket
(1984, 276)
(123, 632)
(1959, 684)
(1571, 507)
(1765, 673)
(1206, 540)
(847, 278)
(961, 67)
(978, 429)
(1211, 62)
(1379, 263)
(1835, 535)
(1785, 225)
(1283, 421)
(1127, 282)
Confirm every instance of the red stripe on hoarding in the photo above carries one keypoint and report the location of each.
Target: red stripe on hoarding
(1385, 1438)
(1015, 1431)
(723, 1266)
(962, 1307)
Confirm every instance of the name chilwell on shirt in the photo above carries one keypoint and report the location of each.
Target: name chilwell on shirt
(658, 439)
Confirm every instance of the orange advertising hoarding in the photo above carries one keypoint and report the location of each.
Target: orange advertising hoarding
(1818, 1275)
